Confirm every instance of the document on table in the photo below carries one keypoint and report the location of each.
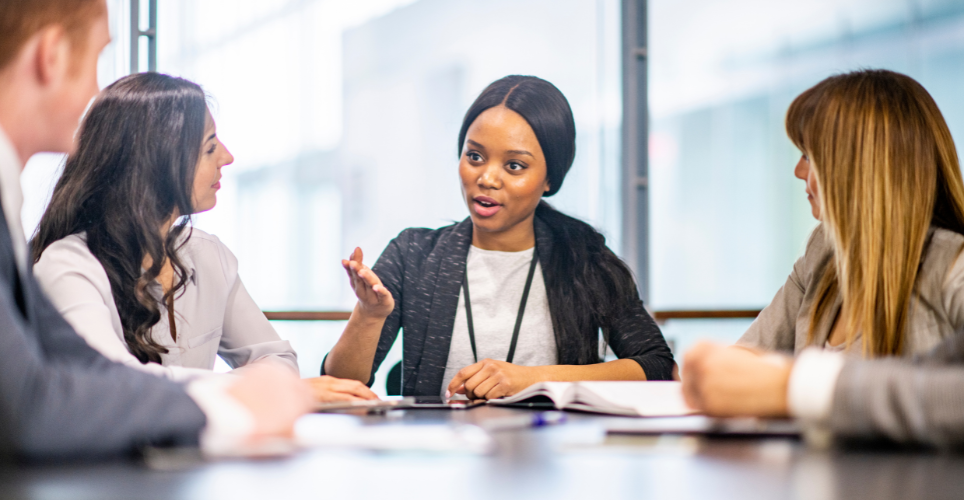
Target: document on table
(637, 399)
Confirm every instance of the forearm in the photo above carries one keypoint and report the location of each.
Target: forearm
(354, 353)
(620, 369)
(247, 336)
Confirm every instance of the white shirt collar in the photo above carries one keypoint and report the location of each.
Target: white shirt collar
(11, 197)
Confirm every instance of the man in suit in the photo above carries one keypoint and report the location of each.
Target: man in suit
(913, 401)
(58, 396)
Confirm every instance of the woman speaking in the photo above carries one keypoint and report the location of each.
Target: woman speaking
(517, 293)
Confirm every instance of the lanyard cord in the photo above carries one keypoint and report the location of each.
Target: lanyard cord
(518, 319)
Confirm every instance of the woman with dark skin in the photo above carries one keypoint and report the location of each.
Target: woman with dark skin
(516, 144)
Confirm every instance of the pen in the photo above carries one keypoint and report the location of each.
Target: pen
(525, 421)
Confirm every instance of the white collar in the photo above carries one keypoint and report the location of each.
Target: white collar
(11, 197)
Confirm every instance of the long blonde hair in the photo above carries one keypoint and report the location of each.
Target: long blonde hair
(886, 170)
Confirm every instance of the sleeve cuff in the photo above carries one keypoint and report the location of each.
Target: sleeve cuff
(812, 382)
(229, 424)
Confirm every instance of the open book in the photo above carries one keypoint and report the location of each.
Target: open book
(636, 399)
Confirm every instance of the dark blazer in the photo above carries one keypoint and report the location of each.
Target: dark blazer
(61, 398)
(423, 269)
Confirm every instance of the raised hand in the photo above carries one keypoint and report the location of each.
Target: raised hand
(374, 300)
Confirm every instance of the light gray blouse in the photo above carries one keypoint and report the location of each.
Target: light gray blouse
(496, 281)
(936, 308)
(214, 315)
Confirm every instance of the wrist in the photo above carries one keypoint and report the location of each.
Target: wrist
(366, 317)
(536, 374)
(779, 406)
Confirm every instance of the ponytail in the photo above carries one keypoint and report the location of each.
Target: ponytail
(587, 286)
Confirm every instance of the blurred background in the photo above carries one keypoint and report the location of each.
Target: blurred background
(343, 118)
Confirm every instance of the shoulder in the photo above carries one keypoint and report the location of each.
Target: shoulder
(418, 252)
(944, 255)
(946, 240)
(70, 255)
(422, 241)
(203, 239)
(209, 254)
(818, 241)
(70, 252)
(427, 238)
(943, 251)
(816, 257)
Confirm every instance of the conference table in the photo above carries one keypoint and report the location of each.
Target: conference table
(576, 459)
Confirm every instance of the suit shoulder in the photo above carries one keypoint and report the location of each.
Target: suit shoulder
(422, 239)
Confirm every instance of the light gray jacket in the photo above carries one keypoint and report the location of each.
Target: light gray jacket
(936, 311)
(918, 400)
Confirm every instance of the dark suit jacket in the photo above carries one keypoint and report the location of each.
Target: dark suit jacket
(61, 398)
(424, 268)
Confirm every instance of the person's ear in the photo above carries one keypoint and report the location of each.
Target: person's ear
(52, 56)
(548, 187)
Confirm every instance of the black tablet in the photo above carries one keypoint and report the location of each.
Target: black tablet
(438, 402)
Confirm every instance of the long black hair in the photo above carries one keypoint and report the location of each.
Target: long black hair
(133, 169)
(587, 285)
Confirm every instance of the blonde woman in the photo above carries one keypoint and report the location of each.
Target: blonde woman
(882, 274)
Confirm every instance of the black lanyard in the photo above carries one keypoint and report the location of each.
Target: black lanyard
(518, 319)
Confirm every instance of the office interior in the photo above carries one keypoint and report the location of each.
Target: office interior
(343, 118)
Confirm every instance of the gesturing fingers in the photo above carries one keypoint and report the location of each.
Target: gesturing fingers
(369, 277)
(357, 255)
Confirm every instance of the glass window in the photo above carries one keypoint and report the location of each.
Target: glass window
(344, 117)
(728, 217)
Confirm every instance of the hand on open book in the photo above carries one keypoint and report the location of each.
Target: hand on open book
(490, 379)
(731, 381)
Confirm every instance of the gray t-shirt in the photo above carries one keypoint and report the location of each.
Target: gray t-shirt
(496, 281)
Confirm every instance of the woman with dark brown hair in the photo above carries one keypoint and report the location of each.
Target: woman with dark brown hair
(117, 255)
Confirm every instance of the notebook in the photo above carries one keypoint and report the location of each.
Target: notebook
(636, 399)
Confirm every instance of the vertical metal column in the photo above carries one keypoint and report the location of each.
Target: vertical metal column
(635, 148)
(137, 33)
